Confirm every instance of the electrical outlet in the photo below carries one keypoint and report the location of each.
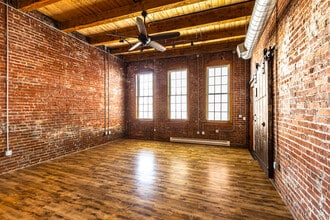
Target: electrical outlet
(9, 153)
(276, 165)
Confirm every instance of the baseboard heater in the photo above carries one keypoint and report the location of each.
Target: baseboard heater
(200, 141)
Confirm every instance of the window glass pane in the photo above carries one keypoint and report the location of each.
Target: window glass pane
(178, 108)
(211, 116)
(217, 89)
(184, 100)
(217, 107)
(184, 84)
(173, 76)
(217, 71)
(224, 71)
(211, 107)
(218, 80)
(211, 98)
(224, 80)
(172, 100)
(217, 98)
(224, 107)
(211, 89)
(211, 80)
(224, 88)
(224, 116)
(224, 98)
(211, 72)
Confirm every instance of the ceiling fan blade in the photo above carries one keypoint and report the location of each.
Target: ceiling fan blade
(164, 36)
(157, 46)
(135, 46)
(141, 26)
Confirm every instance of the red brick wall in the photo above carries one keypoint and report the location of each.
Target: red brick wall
(161, 128)
(302, 99)
(56, 93)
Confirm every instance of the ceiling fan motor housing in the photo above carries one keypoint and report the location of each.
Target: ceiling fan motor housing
(144, 39)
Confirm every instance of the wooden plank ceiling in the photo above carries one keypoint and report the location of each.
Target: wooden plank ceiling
(204, 25)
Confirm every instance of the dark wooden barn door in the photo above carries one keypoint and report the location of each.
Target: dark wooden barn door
(262, 123)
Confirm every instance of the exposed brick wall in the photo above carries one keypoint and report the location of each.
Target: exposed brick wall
(302, 99)
(56, 93)
(162, 128)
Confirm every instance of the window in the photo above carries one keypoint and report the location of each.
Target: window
(144, 96)
(218, 93)
(178, 94)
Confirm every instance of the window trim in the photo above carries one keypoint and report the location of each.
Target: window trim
(137, 95)
(230, 91)
(169, 94)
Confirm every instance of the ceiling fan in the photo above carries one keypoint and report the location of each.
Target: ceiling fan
(146, 40)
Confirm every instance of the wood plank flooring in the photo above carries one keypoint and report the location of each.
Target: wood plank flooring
(133, 179)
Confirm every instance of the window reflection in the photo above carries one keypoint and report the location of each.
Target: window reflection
(179, 171)
(145, 171)
(218, 175)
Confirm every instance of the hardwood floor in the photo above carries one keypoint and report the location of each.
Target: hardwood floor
(133, 179)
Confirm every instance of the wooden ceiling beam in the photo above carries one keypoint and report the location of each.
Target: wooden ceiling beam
(30, 5)
(204, 17)
(183, 51)
(211, 35)
(131, 10)
(191, 20)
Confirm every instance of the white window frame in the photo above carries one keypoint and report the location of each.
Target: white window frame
(218, 93)
(144, 96)
(178, 94)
